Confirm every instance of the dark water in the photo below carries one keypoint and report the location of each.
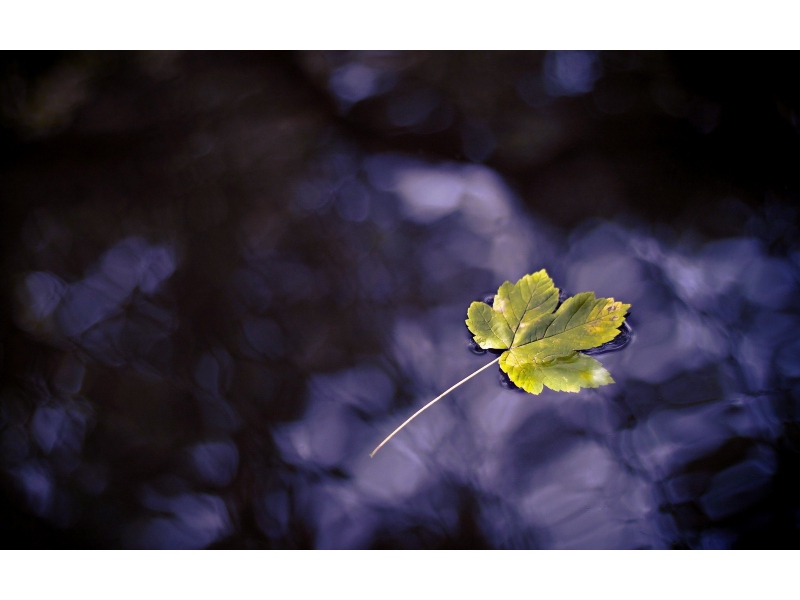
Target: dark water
(227, 277)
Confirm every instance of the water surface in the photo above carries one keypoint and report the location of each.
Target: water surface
(229, 277)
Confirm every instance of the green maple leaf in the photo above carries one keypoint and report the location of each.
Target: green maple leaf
(542, 344)
(542, 347)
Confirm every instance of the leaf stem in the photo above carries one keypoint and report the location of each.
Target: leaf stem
(431, 403)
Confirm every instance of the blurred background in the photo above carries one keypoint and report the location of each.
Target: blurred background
(226, 277)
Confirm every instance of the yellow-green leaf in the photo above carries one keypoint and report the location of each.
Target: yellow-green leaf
(541, 346)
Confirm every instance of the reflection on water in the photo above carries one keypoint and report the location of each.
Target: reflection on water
(214, 372)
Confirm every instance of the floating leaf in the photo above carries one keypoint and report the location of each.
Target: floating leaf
(542, 341)
(541, 346)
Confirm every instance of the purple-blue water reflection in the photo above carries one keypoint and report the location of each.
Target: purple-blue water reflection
(210, 365)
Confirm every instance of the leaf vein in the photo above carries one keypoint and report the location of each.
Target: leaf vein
(527, 308)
